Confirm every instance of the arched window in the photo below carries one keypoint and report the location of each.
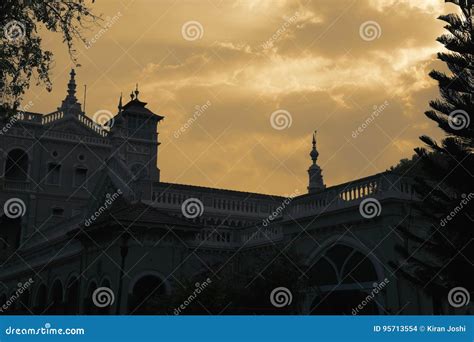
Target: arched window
(10, 234)
(41, 300)
(3, 299)
(72, 296)
(24, 302)
(16, 166)
(343, 278)
(342, 264)
(53, 175)
(89, 307)
(106, 310)
(80, 176)
(56, 298)
(145, 296)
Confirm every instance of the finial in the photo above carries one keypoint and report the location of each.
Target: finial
(315, 176)
(136, 91)
(71, 87)
(314, 152)
(132, 96)
(120, 103)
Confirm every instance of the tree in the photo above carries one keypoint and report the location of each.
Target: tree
(442, 257)
(22, 55)
(239, 290)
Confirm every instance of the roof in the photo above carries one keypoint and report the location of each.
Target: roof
(136, 106)
(216, 190)
(124, 211)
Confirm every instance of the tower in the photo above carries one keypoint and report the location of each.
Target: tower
(315, 176)
(70, 106)
(134, 137)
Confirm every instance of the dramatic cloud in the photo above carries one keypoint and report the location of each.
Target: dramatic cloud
(330, 64)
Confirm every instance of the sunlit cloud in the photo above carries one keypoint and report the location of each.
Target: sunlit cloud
(255, 57)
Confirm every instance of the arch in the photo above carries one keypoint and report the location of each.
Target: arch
(10, 234)
(72, 291)
(89, 307)
(56, 298)
(24, 302)
(152, 273)
(145, 294)
(13, 303)
(16, 165)
(3, 298)
(41, 299)
(343, 277)
(350, 242)
(106, 281)
(107, 309)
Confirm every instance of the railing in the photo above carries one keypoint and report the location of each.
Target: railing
(46, 119)
(92, 125)
(27, 116)
(76, 137)
(213, 238)
(261, 235)
(380, 186)
(16, 185)
(232, 238)
(217, 203)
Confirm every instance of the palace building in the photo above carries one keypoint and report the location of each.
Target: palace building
(82, 207)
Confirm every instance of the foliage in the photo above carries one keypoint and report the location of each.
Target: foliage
(22, 55)
(235, 291)
(442, 256)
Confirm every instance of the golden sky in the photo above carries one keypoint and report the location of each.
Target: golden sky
(325, 64)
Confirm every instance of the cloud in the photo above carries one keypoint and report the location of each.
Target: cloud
(255, 57)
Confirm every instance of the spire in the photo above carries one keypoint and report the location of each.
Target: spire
(136, 92)
(71, 86)
(315, 175)
(314, 152)
(70, 104)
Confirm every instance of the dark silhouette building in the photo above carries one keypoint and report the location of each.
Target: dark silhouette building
(83, 208)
